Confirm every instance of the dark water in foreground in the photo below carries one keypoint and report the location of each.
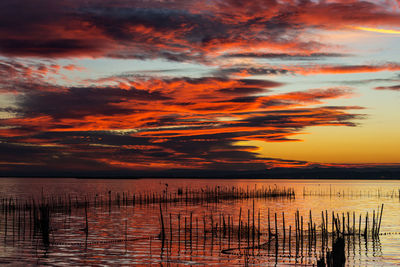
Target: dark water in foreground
(128, 234)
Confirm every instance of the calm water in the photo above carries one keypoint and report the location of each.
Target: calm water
(128, 235)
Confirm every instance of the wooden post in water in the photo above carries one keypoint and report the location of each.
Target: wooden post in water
(254, 230)
(224, 225)
(229, 232)
(323, 230)
(380, 219)
(284, 229)
(191, 215)
(212, 225)
(170, 227)
(327, 224)
(344, 223)
(311, 225)
(297, 229)
(259, 229)
(366, 226)
(185, 231)
(87, 223)
(162, 225)
(179, 231)
(290, 234)
(197, 230)
(302, 236)
(348, 223)
(373, 224)
(309, 235)
(248, 228)
(239, 225)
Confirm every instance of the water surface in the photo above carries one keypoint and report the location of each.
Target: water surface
(129, 234)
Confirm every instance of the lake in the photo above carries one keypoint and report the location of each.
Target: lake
(102, 222)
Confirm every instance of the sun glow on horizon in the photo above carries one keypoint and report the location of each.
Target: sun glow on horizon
(377, 30)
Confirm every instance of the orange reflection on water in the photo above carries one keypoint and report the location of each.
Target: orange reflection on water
(194, 230)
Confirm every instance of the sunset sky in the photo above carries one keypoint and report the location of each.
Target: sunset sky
(103, 85)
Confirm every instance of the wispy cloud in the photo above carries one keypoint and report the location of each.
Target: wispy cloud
(393, 88)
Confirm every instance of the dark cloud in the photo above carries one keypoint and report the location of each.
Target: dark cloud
(365, 81)
(244, 99)
(48, 48)
(242, 90)
(78, 102)
(286, 56)
(393, 88)
(144, 122)
(290, 119)
(206, 151)
(247, 71)
(304, 69)
(87, 127)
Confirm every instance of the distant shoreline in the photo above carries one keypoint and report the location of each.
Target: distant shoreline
(205, 178)
(376, 173)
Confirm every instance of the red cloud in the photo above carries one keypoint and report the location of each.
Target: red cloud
(393, 88)
(72, 67)
(194, 31)
(163, 123)
(193, 107)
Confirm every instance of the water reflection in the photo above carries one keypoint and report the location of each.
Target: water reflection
(116, 229)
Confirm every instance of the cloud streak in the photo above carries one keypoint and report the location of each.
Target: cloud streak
(393, 88)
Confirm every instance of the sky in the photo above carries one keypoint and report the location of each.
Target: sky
(143, 85)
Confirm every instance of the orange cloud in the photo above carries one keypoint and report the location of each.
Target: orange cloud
(195, 31)
(393, 88)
